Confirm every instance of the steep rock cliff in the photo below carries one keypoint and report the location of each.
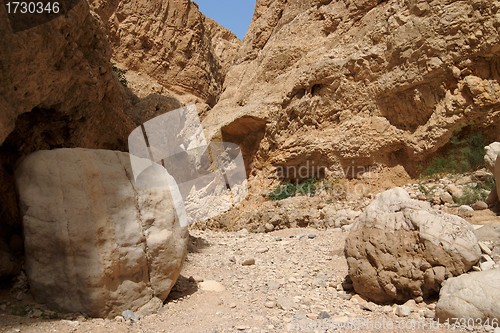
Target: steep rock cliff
(172, 42)
(353, 83)
(57, 89)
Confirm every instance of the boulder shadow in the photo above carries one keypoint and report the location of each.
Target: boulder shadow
(182, 288)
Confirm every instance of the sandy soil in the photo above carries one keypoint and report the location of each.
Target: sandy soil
(295, 285)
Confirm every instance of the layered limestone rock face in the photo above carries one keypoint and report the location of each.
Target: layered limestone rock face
(172, 42)
(60, 70)
(97, 241)
(356, 83)
(57, 89)
(402, 249)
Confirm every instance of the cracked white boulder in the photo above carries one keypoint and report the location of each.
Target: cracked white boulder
(96, 243)
(497, 176)
(401, 248)
(491, 151)
(472, 296)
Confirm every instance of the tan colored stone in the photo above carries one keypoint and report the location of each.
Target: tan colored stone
(95, 241)
(472, 296)
(312, 85)
(171, 41)
(57, 89)
(402, 249)
(68, 87)
(492, 151)
(497, 177)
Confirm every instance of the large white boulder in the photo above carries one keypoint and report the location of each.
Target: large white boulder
(497, 177)
(402, 248)
(96, 242)
(472, 297)
(492, 151)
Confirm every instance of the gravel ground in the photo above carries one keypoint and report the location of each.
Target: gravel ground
(290, 280)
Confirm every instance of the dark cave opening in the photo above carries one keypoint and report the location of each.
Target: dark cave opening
(42, 128)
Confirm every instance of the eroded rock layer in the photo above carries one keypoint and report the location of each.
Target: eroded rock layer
(57, 89)
(357, 83)
(172, 42)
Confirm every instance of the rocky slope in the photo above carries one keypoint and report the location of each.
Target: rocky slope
(172, 42)
(350, 84)
(57, 89)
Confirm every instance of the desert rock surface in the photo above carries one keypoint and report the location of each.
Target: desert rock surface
(96, 241)
(297, 284)
(171, 42)
(356, 83)
(401, 249)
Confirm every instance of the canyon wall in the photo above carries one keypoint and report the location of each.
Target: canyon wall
(57, 89)
(355, 83)
(171, 42)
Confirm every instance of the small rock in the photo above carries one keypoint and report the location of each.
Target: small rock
(299, 315)
(466, 208)
(357, 299)
(344, 295)
(455, 191)
(130, 315)
(487, 263)
(411, 303)
(311, 236)
(387, 309)
(485, 248)
(211, 285)
(422, 197)
(456, 72)
(270, 304)
(446, 198)
(269, 227)
(312, 316)
(242, 233)
(369, 306)
(232, 259)
(242, 328)
(72, 323)
(248, 262)
(323, 315)
(262, 250)
(119, 319)
(402, 311)
(346, 228)
(429, 313)
(285, 303)
(480, 205)
(232, 305)
(195, 279)
(278, 239)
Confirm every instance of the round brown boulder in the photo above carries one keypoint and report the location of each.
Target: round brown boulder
(401, 248)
